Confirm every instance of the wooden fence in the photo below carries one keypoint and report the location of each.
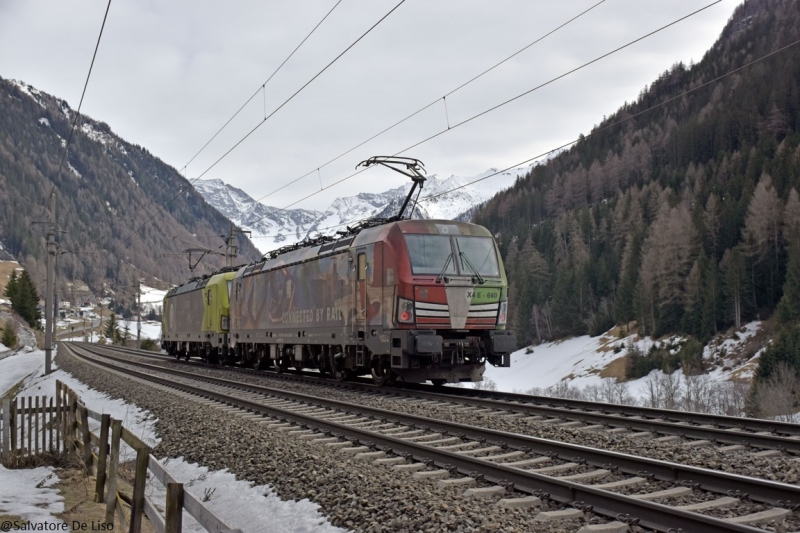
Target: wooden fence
(64, 428)
(29, 427)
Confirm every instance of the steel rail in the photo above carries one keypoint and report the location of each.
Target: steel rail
(691, 417)
(653, 515)
(740, 430)
(771, 492)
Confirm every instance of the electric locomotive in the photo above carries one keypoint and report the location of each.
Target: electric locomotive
(403, 299)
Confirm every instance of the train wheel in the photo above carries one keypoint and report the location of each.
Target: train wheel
(438, 382)
(382, 373)
(281, 366)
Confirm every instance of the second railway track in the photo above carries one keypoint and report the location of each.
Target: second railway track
(767, 437)
(608, 483)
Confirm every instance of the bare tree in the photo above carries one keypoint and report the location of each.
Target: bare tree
(734, 273)
(791, 217)
(762, 228)
(698, 393)
(775, 396)
(711, 217)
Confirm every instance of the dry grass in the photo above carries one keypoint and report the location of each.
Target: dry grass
(615, 369)
(6, 268)
(77, 488)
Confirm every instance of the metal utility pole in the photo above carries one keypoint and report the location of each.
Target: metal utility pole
(232, 249)
(138, 314)
(51, 283)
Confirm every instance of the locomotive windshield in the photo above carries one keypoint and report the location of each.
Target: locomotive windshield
(477, 253)
(434, 254)
(429, 253)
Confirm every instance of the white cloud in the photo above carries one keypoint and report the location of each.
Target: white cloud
(168, 75)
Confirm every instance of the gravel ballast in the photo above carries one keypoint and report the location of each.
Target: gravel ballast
(352, 493)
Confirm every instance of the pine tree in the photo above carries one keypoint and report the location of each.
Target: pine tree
(789, 305)
(711, 298)
(785, 349)
(111, 329)
(24, 298)
(9, 336)
(10, 291)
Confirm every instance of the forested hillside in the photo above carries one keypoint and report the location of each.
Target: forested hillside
(105, 192)
(684, 218)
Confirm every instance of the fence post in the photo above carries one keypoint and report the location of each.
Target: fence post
(36, 425)
(52, 416)
(102, 453)
(111, 494)
(13, 425)
(87, 439)
(6, 448)
(30, 421)
(174, 518)
(59, 419)
(139, 482)
(73, 421)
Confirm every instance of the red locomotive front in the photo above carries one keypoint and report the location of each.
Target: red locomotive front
(411, 300)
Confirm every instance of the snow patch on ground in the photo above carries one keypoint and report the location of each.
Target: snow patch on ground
(28, 494)
(29, 90)
(150, 328)
(231, 495)
(240, 504)
(579, 361)
(74, 170)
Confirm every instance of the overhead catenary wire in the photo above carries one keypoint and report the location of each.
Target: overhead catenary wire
(262, 87)
(583, 137)
(615, 124)
(510, 100)
(161, 209)
(83, 93)
(298, 91)
(434, 102)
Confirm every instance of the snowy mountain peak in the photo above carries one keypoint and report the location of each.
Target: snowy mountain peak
(441, 198)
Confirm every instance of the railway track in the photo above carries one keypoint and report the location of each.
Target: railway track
(765, 437)
(512, 469)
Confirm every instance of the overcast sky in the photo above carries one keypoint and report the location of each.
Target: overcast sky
(169, 74)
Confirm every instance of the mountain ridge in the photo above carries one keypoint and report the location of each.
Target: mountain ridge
(106, 192)
(272, 227)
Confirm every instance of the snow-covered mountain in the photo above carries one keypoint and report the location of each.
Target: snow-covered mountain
(272, 228)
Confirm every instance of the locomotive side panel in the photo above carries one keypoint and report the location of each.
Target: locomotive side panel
(183, 317)
(315, 297)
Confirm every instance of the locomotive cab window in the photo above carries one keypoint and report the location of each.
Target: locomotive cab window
(477, 253)
(362, 267)
(444, 254)
(430, 254)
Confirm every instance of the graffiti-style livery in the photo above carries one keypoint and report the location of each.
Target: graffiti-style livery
(412, 300)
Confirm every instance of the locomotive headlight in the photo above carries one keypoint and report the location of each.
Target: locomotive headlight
(405, 311)
(501, 315)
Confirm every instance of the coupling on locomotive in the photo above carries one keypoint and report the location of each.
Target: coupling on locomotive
(403, 299)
